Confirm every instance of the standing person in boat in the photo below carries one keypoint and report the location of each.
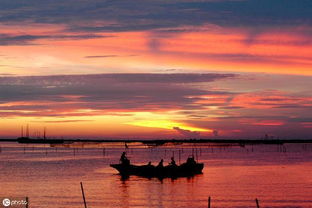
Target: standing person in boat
(190, 160)
(173, 163)
(124, 160)
(161, 164)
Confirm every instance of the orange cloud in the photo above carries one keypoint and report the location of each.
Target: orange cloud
(217, 50)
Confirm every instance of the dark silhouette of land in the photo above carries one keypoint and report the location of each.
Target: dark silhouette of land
(159, 141)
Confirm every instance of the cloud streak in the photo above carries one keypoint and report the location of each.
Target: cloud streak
(187, 133)
(15, 39)
(124, 92)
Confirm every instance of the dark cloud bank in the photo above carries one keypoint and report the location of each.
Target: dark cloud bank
(129, 15)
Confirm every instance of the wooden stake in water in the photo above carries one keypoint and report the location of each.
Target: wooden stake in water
(209, 202)
(179, 156)
(257, 202)
(83, 195)
(196, 154)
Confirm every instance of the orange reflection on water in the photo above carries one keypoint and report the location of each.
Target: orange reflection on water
(233, 177)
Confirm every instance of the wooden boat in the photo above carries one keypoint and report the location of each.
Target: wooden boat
(170, 171)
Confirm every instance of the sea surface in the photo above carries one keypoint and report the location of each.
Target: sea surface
(234, 176)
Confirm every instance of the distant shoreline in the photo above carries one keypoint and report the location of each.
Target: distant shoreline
(161, 141)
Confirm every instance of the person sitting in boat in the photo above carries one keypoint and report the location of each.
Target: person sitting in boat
(124, 160)
(190, 160)
(161, 164)
(173, 163)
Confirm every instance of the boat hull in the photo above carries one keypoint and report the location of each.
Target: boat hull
(149, 171)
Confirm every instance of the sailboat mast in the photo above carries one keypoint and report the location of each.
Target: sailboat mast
(27, 131)
(44, 133)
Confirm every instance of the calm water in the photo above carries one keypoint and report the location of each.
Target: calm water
(233, 176)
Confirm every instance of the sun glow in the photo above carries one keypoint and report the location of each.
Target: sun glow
(166, 124)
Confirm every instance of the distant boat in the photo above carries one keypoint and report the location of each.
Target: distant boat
(27, 140)
(149, 171)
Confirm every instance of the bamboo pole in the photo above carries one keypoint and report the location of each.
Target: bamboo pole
(83, 195)
(257, 202)
(209, 202)
(179, 157)
(27, 202)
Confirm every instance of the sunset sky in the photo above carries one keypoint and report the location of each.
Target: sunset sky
(156, 68)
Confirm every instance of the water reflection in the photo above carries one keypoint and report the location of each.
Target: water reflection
(124, 193)
(233, 177)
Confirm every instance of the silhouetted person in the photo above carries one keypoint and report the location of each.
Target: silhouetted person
(161, 164)
(124, 160)
(191, 160)
(149, 163)
(123, 157)
(172, 162)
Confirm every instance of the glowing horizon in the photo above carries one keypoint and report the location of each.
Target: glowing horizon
(170, 69)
